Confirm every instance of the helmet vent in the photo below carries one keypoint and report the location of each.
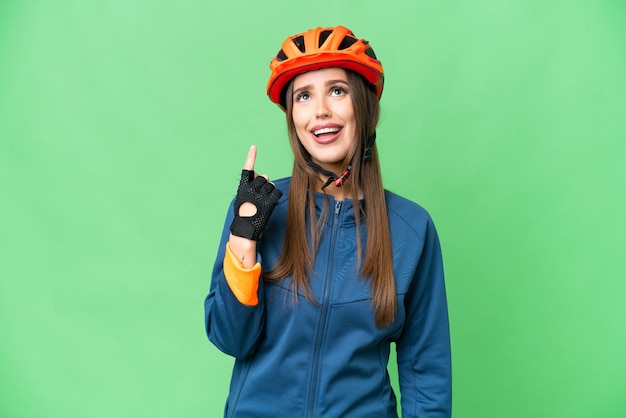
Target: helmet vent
(323, 36)
(299, 41)
(347, 42)
(281, 56)
(370, 53)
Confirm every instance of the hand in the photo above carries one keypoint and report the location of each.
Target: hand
(255, 202)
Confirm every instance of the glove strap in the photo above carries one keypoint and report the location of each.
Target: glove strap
(242, 228)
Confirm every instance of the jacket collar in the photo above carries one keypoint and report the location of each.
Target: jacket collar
(345, 208)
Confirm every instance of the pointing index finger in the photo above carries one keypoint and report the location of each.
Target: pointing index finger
(249, 165)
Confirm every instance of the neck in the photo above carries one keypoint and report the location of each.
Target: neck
(332, 183)
(338, 193)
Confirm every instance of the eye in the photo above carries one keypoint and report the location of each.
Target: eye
(302, 96)
(338, 91)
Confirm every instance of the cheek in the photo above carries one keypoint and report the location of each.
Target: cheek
(301, 125)
(350, 123)
(302, 134)
(347, 114)
(298, 115)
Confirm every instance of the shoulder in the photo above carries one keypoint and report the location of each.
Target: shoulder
(405, 213)
(282, 184)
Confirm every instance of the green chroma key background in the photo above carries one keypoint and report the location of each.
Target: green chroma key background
(123, 129)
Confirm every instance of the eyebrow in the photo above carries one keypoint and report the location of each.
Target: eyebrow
(327, 83)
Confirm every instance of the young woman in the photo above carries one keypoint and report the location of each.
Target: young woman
(318, 273)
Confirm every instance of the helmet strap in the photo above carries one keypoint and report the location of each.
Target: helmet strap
(367, 154)
(339, 180)
(332, 177)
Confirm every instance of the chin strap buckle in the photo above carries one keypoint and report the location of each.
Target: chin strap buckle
(344, 176)
(338, 181)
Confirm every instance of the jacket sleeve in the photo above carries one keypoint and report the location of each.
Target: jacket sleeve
(232, 327)
(423, 349)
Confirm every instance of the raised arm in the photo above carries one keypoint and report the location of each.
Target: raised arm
(234, 306)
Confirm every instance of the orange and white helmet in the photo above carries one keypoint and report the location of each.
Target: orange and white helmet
(322, 48)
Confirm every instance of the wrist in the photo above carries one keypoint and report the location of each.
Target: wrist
(244, 250)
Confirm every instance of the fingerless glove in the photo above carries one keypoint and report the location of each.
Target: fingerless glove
(261, 194)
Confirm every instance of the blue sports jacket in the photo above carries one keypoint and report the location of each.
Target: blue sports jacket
(328, 359)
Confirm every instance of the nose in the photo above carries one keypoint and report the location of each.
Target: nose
(322, 110)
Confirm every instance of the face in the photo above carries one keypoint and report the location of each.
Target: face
(323, 116)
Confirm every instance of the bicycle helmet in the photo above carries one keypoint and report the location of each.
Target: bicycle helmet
(322, 48)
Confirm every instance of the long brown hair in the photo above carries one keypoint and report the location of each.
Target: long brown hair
(366, 178)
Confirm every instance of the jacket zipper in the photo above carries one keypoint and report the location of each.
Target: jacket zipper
(321, 328)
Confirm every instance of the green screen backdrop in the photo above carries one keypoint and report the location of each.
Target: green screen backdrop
(123, 129)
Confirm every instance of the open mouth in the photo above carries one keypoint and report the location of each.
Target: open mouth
(326, 132)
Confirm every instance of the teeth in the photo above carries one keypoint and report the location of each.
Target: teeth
(326, 131)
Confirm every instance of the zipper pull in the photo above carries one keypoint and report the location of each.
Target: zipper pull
(337, 207)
